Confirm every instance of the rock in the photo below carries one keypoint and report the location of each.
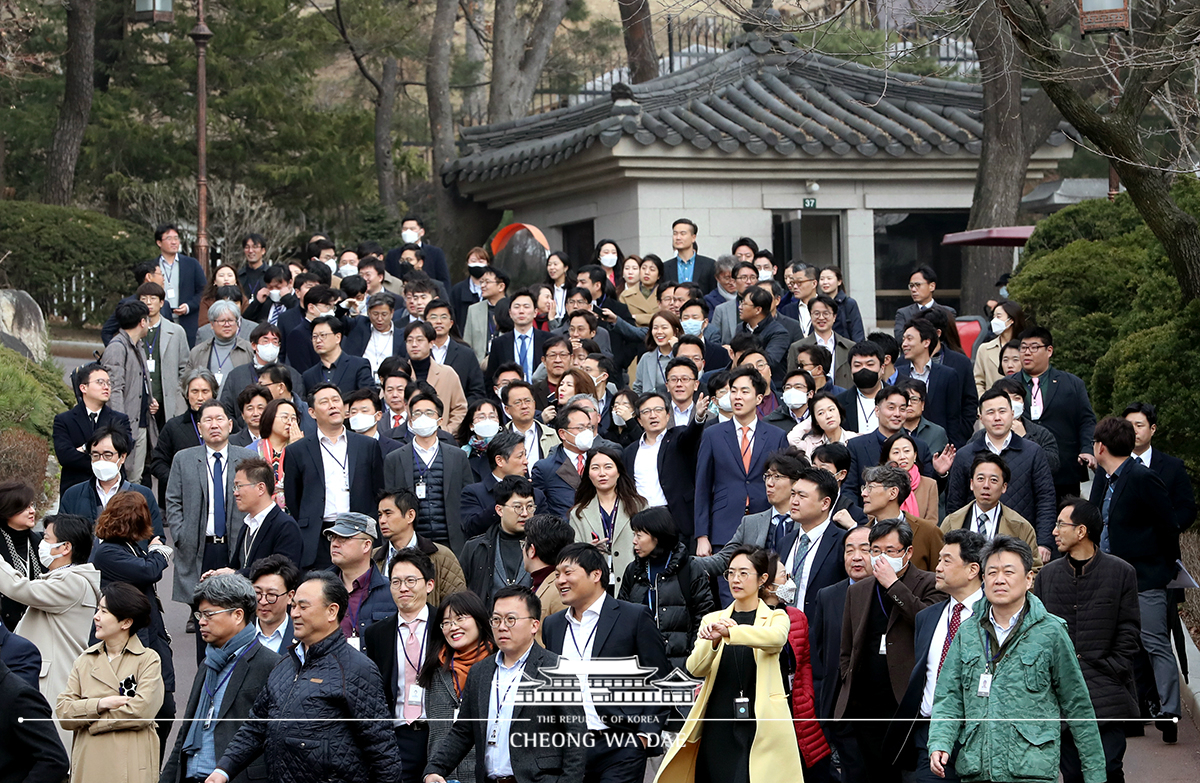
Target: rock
(21, 318)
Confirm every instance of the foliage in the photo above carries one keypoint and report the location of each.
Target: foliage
(31, 395)
(23, 458)
(71, 261)
(874, 48)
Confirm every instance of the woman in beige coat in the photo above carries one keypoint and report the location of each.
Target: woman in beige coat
(61, 603)
(604, 503)
(113, 693)
(1008, 321)
(737, 654)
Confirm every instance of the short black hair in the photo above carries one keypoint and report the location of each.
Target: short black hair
(74, 530)
(703, 305)
(883, 527)
(276, 272)
(866, 348)
(142, 269)
(367, 393)
(130, 314)
(827, 485)
(548, 534)
(503, 444)
(320, 387)
(1116, 435)
(506, 391)
(332, 590)
(126, 602)
(686, 363)
(970, 545)
(426, 397)
(280, 565)
(335, 324)
(789, 461)
(1009, 544)
(510, 486)
(987, 457)
(1147, 409)
(424, 327)
(994, 393)
(415, 556)
(926, 272)
(925, 331)
(756, 379)
(163, 228)
(250, 392)
(120, 441)
(824, 299)
(587, 557)
(1037, 333)
(887, 343)
(1083, 513)
(819, 355)
(533, 604)
(657, 521)
(836, 454)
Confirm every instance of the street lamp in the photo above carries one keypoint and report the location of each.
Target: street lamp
(153, 11)
(201, 35)
(1112, 17)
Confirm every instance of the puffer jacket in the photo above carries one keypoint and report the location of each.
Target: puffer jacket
(1103, 619)
(335, 681)
(813, 746)
(1030, 491)
(681, 596)
(1036, 676)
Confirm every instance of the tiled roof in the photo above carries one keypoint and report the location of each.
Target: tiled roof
(763, 97)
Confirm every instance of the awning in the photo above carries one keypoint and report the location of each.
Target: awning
(1010, 236)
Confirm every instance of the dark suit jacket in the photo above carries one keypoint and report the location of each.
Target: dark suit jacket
(379, 644)
(304, 488)
(725, 490)
(398, 474)
(479, 505)
(461, 297)
(245, 375)
(623, 630)
(704, 271)
(912, 592)
(461, 359)
(30, 748)
(504, 350)
(550, 762)
(21, 656)
(300, 352)
(897, 741)
(435, 263)
(864, 453)
(558, 480)
(676, 472)
(906, 313)
(189, 281)
(83, 500)
(968, 394)
(825, 644)
(359, 336)
(248, 678)
(1068, 414)
(775, 339)
(278, 535)
(1179, 487)
(261, 311)
(1141, 526)
(71, 430)
(349, 372)
(291, 318)
(828, 566)
(943, 400)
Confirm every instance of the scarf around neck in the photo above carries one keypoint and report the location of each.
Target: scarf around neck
(215, 661)
(463, 661)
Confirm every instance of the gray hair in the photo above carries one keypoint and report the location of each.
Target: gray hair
(889, 477)
(385, 298)
(883, 527)
(725, 263)
(222, 306)
(228, 591)
(199, 373)
(584, 398)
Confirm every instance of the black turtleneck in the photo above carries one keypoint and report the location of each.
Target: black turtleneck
(420, 367)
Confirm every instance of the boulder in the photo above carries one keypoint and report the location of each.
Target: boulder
(22, 319)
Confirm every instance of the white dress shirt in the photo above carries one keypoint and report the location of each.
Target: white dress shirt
(577, 646)
(427, 455)
(379, 347)
(439, 352)
(107, 495)
(532, 442)
(645, 471)
(737, 433)
(814, 539)
(923, 376)
(1144, 456)
(990, 527)
(253, 524)
(1004, 445)
(210, 526)
(531, 361)
(938, 641)
(868, 421)
(682, 416)
(335, 459)
(497, 760)
(402, 632)
(274, 640)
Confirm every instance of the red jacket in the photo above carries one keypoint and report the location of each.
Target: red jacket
(811, 739)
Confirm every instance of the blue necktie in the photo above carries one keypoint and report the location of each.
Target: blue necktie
(273, 317)
(523, 356)
(783, 531)
(218, 497)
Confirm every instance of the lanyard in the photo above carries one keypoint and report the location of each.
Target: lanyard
(879, 597)
(500, 701)
(212, 693)
(168, 269)
(454, 679)
(339, 463)
(992, 663)
(587, 644)
(151, 346)
(420, 653)
(608, 520)
(419, 463)
(220, 361)
(652, 596)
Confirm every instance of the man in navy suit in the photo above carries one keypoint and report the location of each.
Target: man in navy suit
(943, 398)
(663, 460)
(688, 266)
(333, 473)
(811, 547)
(183, 280)
(890, 405)
(453, 353)
(1144, 418)
(290, 318)
(596, 626)
(412, 231)
(558, 475)
(730, 466)
(959, 574)
(72, 428)
(506, 456)
(524, 343)
(375, 336)
(267, 529)
(348, 372)
(321, 300)
(365, 412)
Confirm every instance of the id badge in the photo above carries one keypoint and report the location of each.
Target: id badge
(741, 708)
(454, 715)
(420, 490)
(612, 578)
(171, 296)
(416, 694)
(883, 645)
(149, 365)
(220, 376)
(355, 642)
(985, 685)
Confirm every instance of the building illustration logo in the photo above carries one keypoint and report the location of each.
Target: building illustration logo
(610, 682)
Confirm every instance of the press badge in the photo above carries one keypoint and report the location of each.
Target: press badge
(415, 694)
(220, 376)
(741, 708)
(454, 715)
(883, 645)
(149, 365)
(171, 296)
(985, 685)
(420, 490)
(355, 642)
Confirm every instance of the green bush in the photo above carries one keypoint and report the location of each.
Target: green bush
(31, 394)
(74, 263)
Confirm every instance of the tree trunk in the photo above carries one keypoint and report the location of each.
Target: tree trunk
(3, 157)
(385, 167)
(517, 59)
(76, 105)
(639, 40)
(474, 99)
(441, 117)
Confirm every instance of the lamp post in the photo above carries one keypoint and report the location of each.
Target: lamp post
(201, 35)
(1110, 16)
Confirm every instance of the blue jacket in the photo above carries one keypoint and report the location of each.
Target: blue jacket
(378, 605)
(725, 490)
(84, 501)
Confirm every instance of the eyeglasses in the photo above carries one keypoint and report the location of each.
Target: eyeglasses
(871, 488)
(741, 573)
(210, 614)
(890, 552)
(655, 409)
(521, 508)
(1031, 347)
(446, 625)
(407, 581)
(558, 355)
(1058, 524)
(268, 598)
(107, 456)
(226, 322)
(507, 622)
(680, 379)
(915, 286)
(102, 384)
(771, 477)
(247, 485)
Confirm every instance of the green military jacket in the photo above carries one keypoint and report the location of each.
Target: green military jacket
(1012, 734)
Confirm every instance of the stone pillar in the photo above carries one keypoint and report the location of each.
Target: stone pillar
(859, 268)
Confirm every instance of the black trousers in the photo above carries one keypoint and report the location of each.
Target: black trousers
(876, 767)
(414, 750)
(845, 744)
(1112, 737)
(923, 773)
(615, 757)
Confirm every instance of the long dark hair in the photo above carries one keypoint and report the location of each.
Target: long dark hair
(569, 282)
(627, 493)
(463, 602)
(466, 428)
(886, 449)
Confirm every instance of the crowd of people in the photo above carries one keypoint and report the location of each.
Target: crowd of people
(394, 502)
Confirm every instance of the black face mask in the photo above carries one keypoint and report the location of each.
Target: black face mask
(865, 379)
(476, 271)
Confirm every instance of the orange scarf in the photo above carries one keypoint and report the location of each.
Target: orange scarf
(462, 663)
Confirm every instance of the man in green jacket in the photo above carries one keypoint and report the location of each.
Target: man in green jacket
(1009, 677)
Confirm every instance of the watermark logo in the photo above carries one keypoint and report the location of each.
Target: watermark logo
(607, 682)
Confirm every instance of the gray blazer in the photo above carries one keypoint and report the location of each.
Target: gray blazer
(187, 510)
(648, 377)
(126, 365)
(906, 313)
(722, 323)
(752, 530)
(173, 353)
(398, 474)
(475, 331)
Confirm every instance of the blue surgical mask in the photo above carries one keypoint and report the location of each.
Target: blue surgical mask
(692, 326)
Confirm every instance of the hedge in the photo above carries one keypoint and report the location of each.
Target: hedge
(74, 263)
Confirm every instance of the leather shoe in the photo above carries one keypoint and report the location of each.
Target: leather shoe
(1169, 726)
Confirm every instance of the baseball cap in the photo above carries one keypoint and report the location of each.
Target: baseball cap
(353, 524)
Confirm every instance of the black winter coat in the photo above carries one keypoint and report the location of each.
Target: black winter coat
(121, 561)
(335, 681)
(681, 597)
(1103, 619)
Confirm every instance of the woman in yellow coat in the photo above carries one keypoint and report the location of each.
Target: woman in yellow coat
(740, 728)
(113, 693)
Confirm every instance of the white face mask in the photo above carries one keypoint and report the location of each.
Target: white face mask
(1018, 407)
(268, 352)
(409, 236)
(724, 403)
(361, 422)
(347, 270)
(332, 265)
(275, 294)
(423, 426)
(585, 440)
(104, 470)
(786, 592)
(998, 325)
(765, 275)
(609, 260)
(895, 562)
(794, 398)
(46, 552)
(486, 428)
(618, 419)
